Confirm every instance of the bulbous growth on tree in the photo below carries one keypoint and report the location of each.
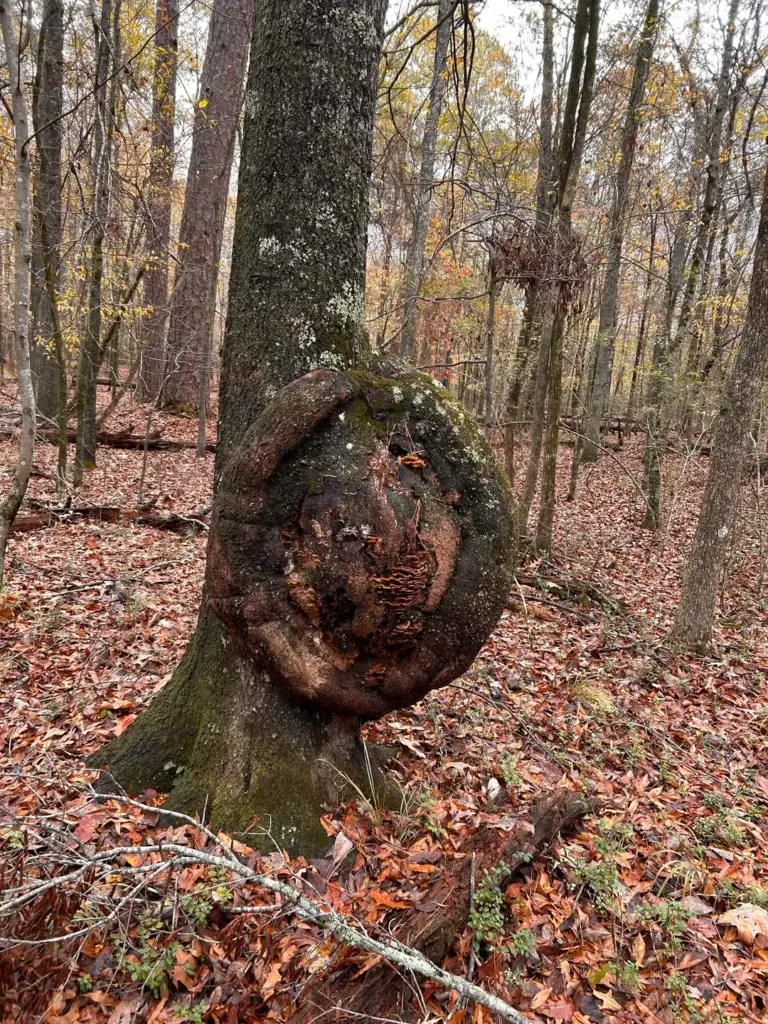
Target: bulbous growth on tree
(361, 541)
(360, 553)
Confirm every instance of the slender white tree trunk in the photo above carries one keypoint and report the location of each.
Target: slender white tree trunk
(23, 259)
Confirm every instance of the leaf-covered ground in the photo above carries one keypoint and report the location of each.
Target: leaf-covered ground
(640, 917)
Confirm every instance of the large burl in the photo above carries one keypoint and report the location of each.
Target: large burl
(361, 541)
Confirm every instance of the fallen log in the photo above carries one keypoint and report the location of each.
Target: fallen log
(153, 442)
(191, 523)
(441, 917)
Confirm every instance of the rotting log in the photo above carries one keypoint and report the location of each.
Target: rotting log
(189, 523)
(153, 442)
(440, 918)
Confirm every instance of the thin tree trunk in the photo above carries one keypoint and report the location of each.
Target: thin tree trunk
(22, 258)
(643, 329)
(711, 188)
(572, 152)
(205, 202)
(531, 329)
(159, 199)
(493, 284)
(414, 265)
(739, 406)
(47, 106)
(108, 50)
(609, 304)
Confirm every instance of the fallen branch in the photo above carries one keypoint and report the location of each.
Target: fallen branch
(160, 857)
(193, 522)
(569, 588)
(433, 931)
(125, 440)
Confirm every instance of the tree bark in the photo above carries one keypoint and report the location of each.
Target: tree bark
(159, 199)
(609, 305)
(359, 547)
(22, 258)
(205, 202)
(698, 601)
(531, 329)
(47, 107)
(414, 265)
(575, 121)
(107, 33)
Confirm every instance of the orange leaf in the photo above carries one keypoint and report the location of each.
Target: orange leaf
(383, 899)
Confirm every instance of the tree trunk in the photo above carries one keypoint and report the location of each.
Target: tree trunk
(711, 186)
(414, 265)
(575, 121)
(531, 329)
(47, 107)
(22, 259)
(696, 611)
(159, 199)
(342, 580)
(493, 284)
(642, 333)
(108, 57)
(205, 202)
(609, 304)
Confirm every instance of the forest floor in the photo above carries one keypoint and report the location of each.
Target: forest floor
(622, 922)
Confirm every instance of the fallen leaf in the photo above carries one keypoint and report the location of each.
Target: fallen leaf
(749, 920)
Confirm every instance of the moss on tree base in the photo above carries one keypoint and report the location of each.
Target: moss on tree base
(230, 749)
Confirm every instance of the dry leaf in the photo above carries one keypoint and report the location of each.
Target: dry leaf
(749, 920)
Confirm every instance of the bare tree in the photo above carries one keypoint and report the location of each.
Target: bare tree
(47, 107)
(738, 408)
(609, 305)
(12, 41)
(159, 198)
(107, 34)
(414, 265)
(205, 203)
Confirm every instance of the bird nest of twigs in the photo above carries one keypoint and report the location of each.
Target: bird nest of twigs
(531, 254)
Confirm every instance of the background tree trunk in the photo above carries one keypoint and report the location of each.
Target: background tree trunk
(414, 264)
(696, 611)
(159, 199)
(531, 328)
(609, 304)
(107, 32)
(47, 107)
(205, 202)
(22, 259)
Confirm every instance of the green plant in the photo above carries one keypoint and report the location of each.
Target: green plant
(602, 880)
(720, 828)
(190, 1013)
(427, 806)
(152, 967)
(523, 943)
(627, 975)
(487, 917)
(734, 894)
(671, 918)
(615, 836)
(509, 772)
(676, 984)
(84, 983)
